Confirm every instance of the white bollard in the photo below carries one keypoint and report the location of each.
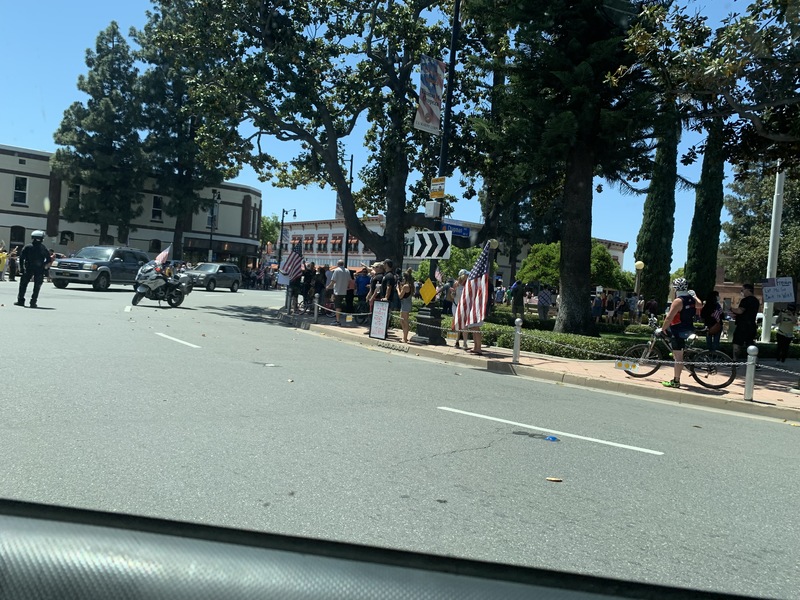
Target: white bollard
(750, 376)
(517, 338)
(316, 308)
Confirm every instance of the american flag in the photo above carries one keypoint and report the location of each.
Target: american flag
(162, 258)
(293, 265)
(471, 308)
(438, 274)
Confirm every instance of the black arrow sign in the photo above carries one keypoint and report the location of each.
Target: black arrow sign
(432, 244)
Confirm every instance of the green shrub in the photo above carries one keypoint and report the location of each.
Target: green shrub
(638, 330)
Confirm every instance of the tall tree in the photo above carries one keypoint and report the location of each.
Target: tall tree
(746, 248)
(102, 150)
(172, 121)
(571, 120)
(701, 259)
(309, 73)
(654, 242)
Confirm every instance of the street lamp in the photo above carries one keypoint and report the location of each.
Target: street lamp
(639, 266)
(284, 212)
(215, 201)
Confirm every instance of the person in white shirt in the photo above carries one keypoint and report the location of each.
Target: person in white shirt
(340, 279)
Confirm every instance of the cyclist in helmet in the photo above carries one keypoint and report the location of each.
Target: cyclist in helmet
(679, 325)
(32, 261)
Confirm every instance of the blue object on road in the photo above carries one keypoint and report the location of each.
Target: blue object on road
(551, 438)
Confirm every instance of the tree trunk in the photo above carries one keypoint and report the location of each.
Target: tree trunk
(654, 242)
(177, 237)
(103, 233)
(574, 313)
(701, 260)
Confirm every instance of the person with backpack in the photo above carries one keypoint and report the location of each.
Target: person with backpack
(679, 325)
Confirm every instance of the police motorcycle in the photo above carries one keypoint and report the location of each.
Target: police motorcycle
(156, 281)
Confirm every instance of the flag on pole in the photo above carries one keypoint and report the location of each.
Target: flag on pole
(438, 274)
(471, 309)
(292, 266)
(162, 258)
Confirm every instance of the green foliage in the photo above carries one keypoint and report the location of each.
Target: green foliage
(543, 261)
(101, 150)
(654, 242)
(270, 229)
(172, 121)
(745, 70)
(560, 120)
(701, 261)
(307, 73)
(746, 249)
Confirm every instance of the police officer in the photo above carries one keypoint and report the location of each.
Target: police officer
(32, 261)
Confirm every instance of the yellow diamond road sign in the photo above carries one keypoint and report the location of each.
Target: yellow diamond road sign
(427, 291)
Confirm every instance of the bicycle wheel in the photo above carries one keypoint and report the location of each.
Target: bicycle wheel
(710, 369)
(643, 355)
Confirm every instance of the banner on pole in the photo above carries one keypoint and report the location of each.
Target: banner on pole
(431, 88)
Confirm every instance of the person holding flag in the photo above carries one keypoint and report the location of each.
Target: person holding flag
(293, 269)
(471, 309)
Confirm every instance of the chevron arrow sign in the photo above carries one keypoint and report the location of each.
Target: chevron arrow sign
(432, 244)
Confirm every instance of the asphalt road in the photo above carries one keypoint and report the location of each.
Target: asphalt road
(216, 413)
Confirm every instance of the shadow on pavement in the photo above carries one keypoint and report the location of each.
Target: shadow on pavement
(253, 314)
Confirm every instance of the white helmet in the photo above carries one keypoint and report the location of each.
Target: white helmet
(37, 235)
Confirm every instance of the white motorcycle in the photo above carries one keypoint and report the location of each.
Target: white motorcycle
(153, 283)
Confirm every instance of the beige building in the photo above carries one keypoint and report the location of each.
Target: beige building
(31, 198)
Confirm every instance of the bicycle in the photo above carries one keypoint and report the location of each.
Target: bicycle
(707, 367)
(362, 315)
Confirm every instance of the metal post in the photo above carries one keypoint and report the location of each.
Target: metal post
(774, 242)
(316, 308)
(517, 340)
(214, 203)
(749, 379)
(346, 231)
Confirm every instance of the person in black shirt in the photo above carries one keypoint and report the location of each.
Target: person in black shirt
(389, 282)
(746, 315)
(33, 261)
(375, 284)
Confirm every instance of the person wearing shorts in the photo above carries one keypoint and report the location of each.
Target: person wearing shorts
(340, 281)
(679, 325)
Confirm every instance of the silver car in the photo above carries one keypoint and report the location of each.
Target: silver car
(214, 275)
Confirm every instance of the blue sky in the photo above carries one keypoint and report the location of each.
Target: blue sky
(44, 44)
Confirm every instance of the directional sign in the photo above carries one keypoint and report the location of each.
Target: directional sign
(432, 244)
(437, 187)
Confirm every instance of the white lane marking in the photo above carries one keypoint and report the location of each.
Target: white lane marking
(163, 335)
(128, 308)
(553, 431)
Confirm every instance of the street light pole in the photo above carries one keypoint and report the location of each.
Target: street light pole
(215, 198)
(346, 232)
(284, 212)
(639, 265)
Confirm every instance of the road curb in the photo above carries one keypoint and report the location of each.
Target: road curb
(508, 368)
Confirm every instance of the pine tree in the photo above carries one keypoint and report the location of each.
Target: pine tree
(102, 150)
(172, 121)
(569, 121)
(701, 260)
(654, 242)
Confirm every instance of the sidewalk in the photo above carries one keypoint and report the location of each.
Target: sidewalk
(772, 396)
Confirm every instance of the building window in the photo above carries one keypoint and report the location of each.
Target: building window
(20, 190)
(67, 237)
(22, 161)
(155, 246)
(322, 243)
(297, 243)
(157, 205)
(17, 236)
(336, 243)
(352, 245)
(308, 243)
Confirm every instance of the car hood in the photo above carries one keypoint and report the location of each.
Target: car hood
(63, 262)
